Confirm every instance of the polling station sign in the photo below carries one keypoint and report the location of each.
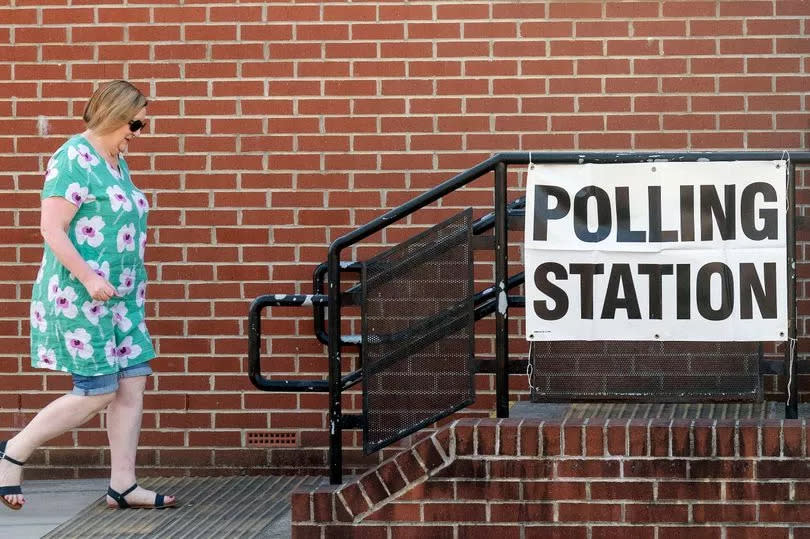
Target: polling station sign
(692, 251)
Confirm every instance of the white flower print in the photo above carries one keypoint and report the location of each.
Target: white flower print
(140, 202)
(89, 230)
(122, 354)
(85, 157)
(78, 343)
(102, 271)
(120, 319)
(126, 238)
(110, 352)
(116, 173)
(142, 245)
(118, 199)
(63, 300)
(142, 326)
(51, 170)
(38, 316)
(93, 310)
(127, 351)
(77, 194)
(53, 287)
(140, 295)
(41, 271)
(46, 358)
(127, 280)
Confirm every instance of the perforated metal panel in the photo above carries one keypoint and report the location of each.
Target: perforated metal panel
(647, 371)
(417, 316)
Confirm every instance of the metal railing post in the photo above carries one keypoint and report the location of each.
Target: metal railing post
(791, 352)
(501, 330)
(335, 412)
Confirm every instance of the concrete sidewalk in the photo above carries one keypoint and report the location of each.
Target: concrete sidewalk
(47, 505)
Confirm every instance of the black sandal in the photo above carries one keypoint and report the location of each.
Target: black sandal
(160, 500)
(13, 489)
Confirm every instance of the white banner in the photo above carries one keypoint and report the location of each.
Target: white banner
(657, 251)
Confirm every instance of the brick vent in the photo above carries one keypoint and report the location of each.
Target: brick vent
(272, 439)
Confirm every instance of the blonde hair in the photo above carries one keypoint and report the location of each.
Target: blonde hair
(112, 106)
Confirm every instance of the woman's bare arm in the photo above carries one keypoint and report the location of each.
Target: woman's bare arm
(55, 218)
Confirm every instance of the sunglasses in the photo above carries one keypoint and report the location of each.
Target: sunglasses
(136, 125)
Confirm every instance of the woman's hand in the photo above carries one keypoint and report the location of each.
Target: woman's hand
(99, 288)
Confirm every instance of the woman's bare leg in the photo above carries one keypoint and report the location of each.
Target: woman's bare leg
(123, 430)
(65, 413)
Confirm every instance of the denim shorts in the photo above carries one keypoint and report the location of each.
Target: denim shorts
(86, 386)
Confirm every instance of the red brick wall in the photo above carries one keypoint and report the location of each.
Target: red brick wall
(598, 479)
(278, 126)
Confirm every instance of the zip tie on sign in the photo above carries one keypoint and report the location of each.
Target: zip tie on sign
(530, 367)
(786, 153)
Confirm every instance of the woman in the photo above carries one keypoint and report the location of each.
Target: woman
(87, 309)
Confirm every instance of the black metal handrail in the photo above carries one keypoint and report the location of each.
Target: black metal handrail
(480, 225)
(492, 300)
(484, 302)
(255, 337)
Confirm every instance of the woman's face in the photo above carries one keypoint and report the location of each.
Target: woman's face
(124, 134)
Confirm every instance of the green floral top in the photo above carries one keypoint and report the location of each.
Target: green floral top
(69, 330)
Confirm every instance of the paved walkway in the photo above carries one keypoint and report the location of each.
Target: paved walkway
(47, 505)
(243, 506)
(210, 507)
